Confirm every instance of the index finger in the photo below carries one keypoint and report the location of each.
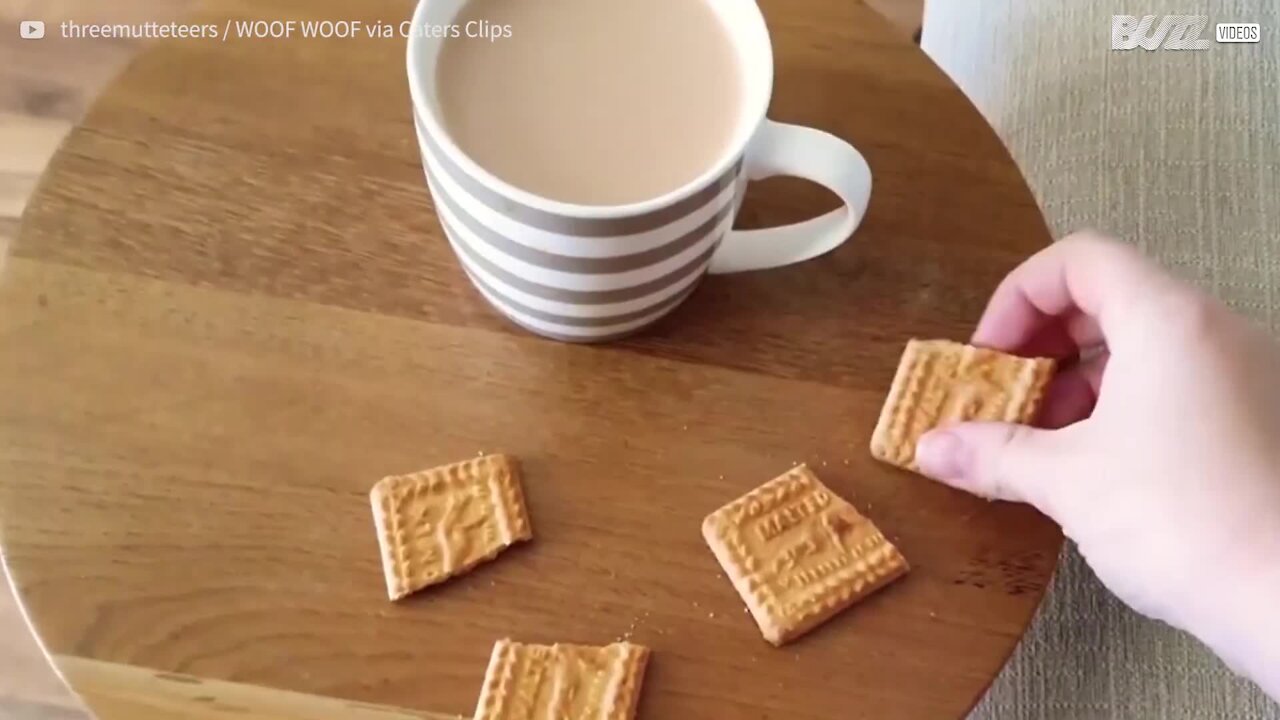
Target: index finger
(1083, 273)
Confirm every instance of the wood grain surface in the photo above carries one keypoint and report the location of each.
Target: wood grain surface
(229, 311)
(45, 86)
(122, 691)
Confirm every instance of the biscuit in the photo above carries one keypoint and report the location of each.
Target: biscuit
(530, 682)
(940, 382)
(798, 554)
(441, 522)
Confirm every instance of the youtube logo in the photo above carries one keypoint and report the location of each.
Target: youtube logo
(31, 29)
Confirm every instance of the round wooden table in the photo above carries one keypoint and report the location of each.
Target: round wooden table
(230, 310)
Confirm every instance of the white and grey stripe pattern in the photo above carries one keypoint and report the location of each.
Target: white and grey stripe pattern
(574, 278)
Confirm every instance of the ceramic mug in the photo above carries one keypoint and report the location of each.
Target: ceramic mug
(592, 273)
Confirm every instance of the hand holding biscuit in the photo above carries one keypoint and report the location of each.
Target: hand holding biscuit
(1159, 445)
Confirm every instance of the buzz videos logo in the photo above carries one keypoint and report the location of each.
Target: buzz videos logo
(31, 29)
(1176, 32)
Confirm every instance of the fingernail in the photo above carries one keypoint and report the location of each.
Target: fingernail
(938, 455)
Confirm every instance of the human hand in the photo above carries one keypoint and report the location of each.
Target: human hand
(1159, 445)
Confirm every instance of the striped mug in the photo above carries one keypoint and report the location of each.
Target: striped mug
(593, 273)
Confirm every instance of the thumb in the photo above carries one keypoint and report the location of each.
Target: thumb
(998, 461)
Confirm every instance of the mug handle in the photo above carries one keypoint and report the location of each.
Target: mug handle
(781, 149)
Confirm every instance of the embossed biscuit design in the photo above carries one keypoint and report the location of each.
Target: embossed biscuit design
(441, 522)
(798, 554)
(531, 682)
(939, 382)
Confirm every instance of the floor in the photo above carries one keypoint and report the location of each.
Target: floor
(45, 86)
